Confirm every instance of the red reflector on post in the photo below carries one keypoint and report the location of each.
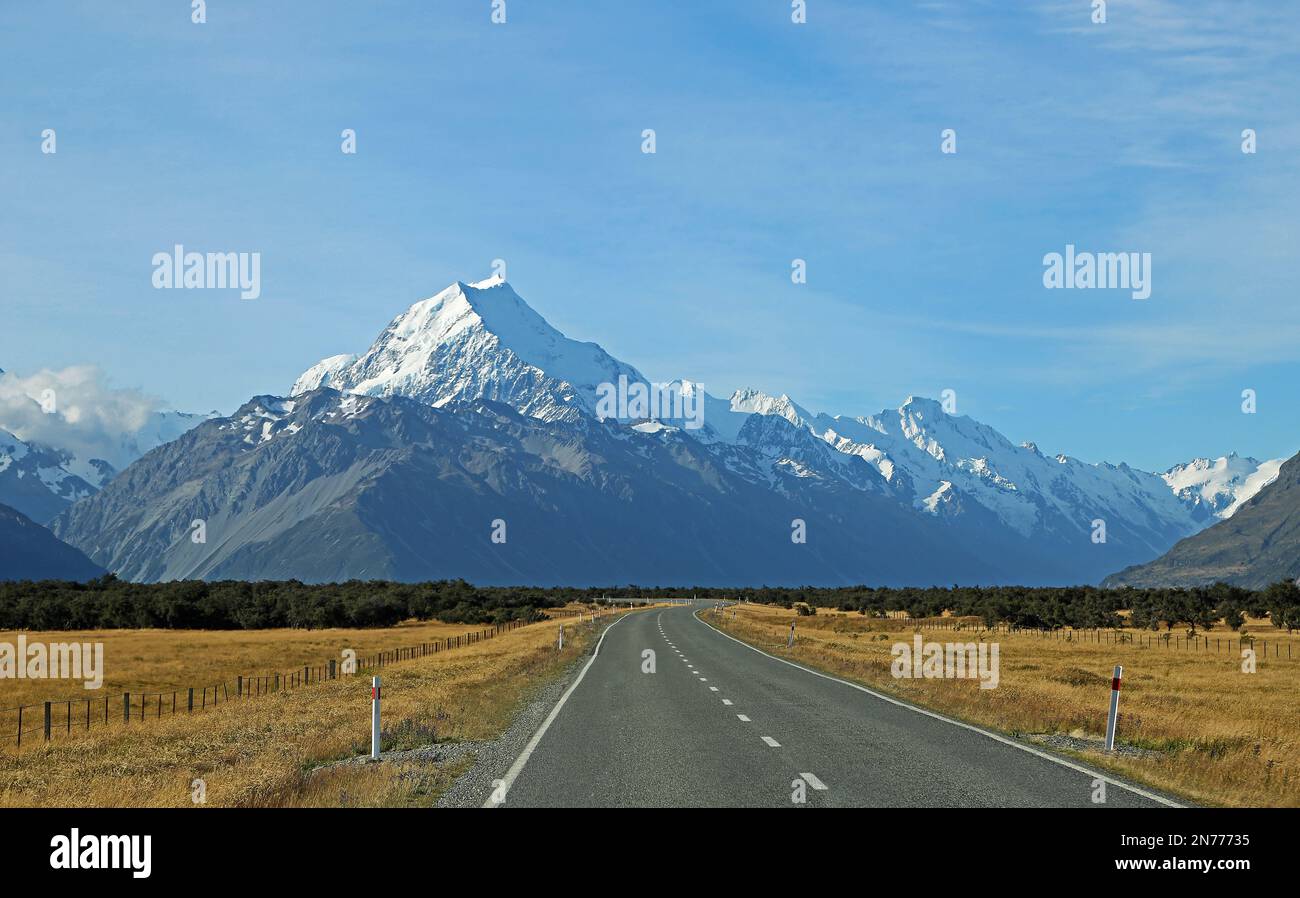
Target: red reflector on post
(1114, 684)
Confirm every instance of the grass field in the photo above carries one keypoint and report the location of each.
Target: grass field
(259, 751)
(164, 660)
(1206, 730)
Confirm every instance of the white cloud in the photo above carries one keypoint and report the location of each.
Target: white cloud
(89, 418)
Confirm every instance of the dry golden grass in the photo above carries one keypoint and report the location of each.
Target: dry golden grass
(401, 784)
(166, 660)
(1214, 734)
(257, 752)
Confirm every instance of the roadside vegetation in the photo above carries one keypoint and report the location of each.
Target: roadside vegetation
(281, 749)
(1195, 723)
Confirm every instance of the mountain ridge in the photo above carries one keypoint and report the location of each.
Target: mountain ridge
(468, 408)
(1256, 546)
(938, 463)
(29, 551)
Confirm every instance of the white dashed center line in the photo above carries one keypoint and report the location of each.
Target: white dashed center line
(772, 742)
(726, 701)
(743, 718)
(811, 779)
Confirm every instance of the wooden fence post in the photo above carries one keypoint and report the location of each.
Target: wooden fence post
(47, 721)
(126, 707)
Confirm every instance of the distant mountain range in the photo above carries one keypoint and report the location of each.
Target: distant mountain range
(469, 408)
(1258, 545)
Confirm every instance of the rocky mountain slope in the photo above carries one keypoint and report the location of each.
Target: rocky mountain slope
(1258, 545)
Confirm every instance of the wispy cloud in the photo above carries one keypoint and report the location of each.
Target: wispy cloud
(76, 409)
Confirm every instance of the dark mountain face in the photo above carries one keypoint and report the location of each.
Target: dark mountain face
(30, 552)
(331, 486)
(1258, 545)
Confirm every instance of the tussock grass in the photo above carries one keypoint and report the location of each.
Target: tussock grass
(166, 660)
(258, 752)
(1216, 735)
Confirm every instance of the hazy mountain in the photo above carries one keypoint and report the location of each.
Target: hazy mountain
(1258, 545)
(30, 552)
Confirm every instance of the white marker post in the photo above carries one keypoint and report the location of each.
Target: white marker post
(374, 718)
(789, 643)
(561, 637)
(1114, 707)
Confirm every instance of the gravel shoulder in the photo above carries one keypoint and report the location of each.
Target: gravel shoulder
(493, 758)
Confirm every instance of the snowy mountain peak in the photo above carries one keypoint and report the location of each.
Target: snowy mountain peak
(321, 373)
(474, 341)
(922, 405)
(495, 280)
(1219, 486)
(759, 403)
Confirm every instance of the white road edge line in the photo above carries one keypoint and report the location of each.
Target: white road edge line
(957, 723)
(518, 766)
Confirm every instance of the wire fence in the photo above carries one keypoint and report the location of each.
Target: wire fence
(1171, 641)
(41, 721)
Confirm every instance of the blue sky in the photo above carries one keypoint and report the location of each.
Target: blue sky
(775, 141)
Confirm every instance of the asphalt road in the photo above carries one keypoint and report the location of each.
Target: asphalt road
(718, 724)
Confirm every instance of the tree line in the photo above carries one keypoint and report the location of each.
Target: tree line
(110, 603)
(1051, 608)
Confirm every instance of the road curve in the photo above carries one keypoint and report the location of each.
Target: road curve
(719, 724)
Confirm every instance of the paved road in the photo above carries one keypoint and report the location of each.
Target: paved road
(719, 724)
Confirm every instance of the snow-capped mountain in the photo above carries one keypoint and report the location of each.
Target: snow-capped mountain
(37, 480)
(481, 341)
(475, 341)
(52, 456)
(933, 457)
(1217, 487)
(331, 486)
(1258, 547)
